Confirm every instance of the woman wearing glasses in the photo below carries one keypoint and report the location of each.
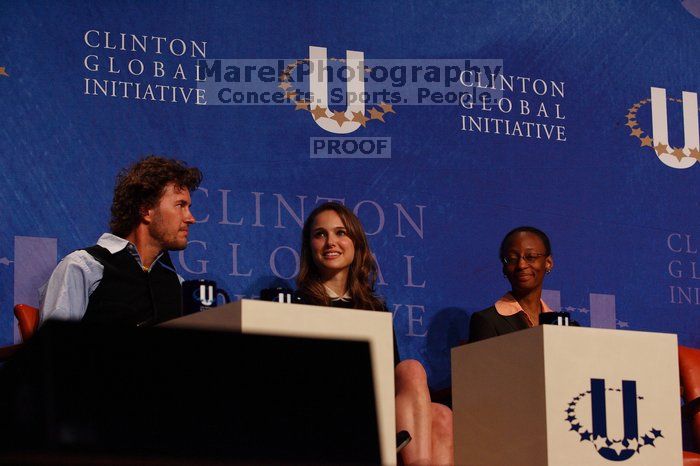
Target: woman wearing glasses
(526, 256)
(337, 269)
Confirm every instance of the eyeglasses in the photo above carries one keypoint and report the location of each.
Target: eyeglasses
(530, 258)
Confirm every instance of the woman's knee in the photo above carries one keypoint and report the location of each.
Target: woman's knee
(411, 373)
(441, 419)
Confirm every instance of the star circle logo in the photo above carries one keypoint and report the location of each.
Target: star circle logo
(607, 446)
(340, 122)
(658, 139)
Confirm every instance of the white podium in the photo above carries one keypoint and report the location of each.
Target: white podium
(296, 320)
(567, 396)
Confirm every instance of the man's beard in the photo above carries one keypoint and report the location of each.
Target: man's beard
(159, 232)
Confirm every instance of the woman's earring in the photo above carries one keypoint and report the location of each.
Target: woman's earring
(548, 271)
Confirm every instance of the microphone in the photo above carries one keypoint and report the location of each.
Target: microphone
(556, 318)
(279, 295)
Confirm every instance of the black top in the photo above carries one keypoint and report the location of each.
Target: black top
(128, 295)
(350, 304)
(489, 323)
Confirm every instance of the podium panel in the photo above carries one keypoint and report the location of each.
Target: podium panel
(561, 396)
(90, 394)
(297, 320)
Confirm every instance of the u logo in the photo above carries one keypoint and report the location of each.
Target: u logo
(207, 299)
(659, 120)
(629, 416)
(355, 62)
(612, 449)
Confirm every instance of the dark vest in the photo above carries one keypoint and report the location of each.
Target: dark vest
(127, 295)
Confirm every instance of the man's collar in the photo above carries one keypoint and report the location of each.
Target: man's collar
(113, 243)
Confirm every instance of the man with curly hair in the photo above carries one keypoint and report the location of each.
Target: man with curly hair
(127, 277)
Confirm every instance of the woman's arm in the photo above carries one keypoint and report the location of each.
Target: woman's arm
(481, 327)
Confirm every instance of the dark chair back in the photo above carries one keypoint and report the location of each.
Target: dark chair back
(28, 320)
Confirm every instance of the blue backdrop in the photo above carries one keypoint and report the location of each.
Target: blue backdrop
(602, 178)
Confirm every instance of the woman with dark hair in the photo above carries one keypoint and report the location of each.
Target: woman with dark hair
(340, 269)
(526, 255)
(337, 269)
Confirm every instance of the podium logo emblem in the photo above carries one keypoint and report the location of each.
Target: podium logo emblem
(613, 449)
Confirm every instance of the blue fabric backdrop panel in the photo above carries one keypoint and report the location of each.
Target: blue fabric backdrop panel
(623, 223)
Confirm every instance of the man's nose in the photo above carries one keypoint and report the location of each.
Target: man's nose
(189, 218)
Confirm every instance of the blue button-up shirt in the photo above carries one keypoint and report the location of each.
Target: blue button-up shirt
(65, 296)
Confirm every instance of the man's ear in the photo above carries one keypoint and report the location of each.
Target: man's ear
(146, 214)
